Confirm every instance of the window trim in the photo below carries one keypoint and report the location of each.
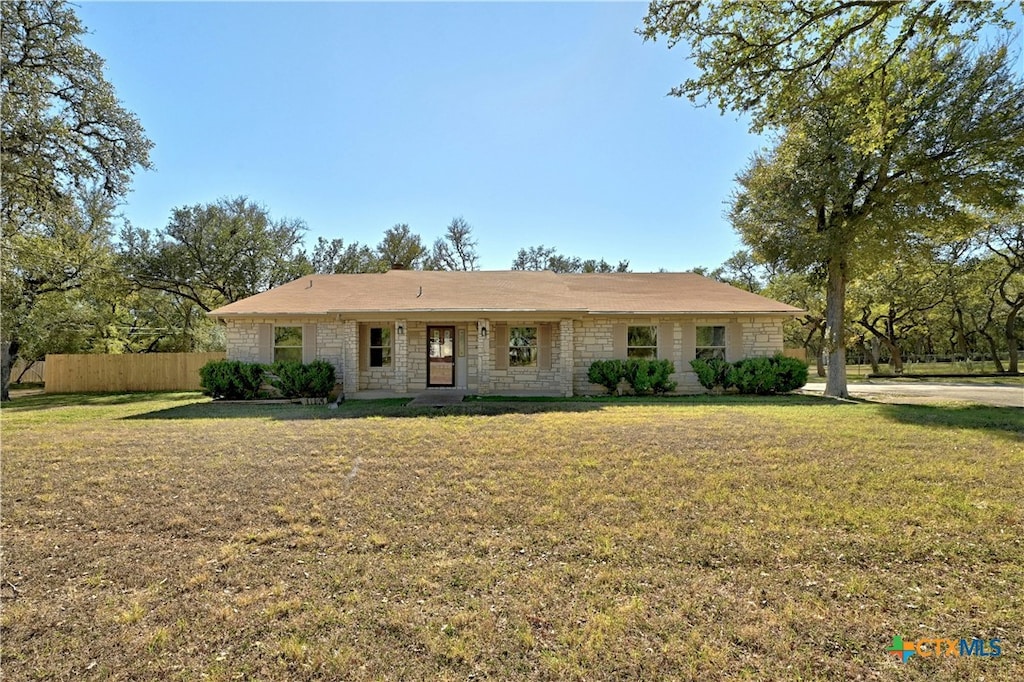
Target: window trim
(534, 347)
(653, 347)
(277, 345)
(716, 351)
(389, 346)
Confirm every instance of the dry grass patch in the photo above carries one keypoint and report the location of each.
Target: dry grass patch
(165, 538)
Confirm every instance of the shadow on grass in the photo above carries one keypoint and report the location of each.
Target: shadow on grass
(49, 401)
(472, 406)
(1006, 421)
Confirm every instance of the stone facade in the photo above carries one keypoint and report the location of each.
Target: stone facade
(573, 345)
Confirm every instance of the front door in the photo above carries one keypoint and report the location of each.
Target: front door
(440, 356)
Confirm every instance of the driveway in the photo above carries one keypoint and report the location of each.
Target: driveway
(928, 392)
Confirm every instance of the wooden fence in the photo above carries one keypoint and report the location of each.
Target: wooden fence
(798, 353)
(128, 372)
(29, 372)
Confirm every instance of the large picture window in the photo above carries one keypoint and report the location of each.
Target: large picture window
(287, 344)
(642, 342)
(380, 346)
(522, 346)
(711, 343)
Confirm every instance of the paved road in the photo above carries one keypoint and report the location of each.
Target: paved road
(929, 392)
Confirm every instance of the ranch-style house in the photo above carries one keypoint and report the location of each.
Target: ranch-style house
(505, 333)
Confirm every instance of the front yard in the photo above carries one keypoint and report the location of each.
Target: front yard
(162, 537)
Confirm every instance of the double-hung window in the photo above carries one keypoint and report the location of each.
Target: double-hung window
(711, 342)
(522, 346)
(380, 346)
(642, 342)
(287, 344)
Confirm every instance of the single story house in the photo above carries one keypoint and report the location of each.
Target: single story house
(513, 332)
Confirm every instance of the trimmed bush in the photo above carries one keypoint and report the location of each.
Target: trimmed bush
(231, 379)
(754, 375)
(607, 373)
(760, 376)
(296, 380)
(713, 373)
(649, 376)
(790, 373)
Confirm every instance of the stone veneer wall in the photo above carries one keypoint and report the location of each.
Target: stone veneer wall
(242, 340)
(577, 343)
(762, 336)
(530, 379)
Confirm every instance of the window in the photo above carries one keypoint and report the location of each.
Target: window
(380, 346)
(711, 343)
(522, 346)
(642, 342)
(287, 344)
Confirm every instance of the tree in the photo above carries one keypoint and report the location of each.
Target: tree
(1005, 239)
(214, 254)
(68, 149)
(776, 60)
(893, 301)
(808, 330)
(796, 66)
(456, 250)
(545, 258)
(401, 249)
(335, 257)
(832, 198)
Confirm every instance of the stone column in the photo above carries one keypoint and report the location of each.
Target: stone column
(350, 355)
(401, 357)
(483, 351)
(565, 347)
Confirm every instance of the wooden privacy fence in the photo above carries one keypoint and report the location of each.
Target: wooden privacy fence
(798, 353)
(128, 372)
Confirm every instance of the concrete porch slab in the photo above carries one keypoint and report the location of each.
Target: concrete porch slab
(438, 398)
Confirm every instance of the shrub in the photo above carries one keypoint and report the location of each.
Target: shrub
(321, 378)
(763, 376)
(231, 379)
(791, 373)
(607, 373)
(649, 376)
(713, 373)
(754, 375)
(296, 380)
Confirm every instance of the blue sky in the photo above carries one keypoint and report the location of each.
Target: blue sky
(539, 123)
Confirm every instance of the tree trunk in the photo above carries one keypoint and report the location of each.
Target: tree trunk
(1011, 339)
(28, 365)
(895, 357)
(872, 347)
(994, 351)
(835, 328)
(9, 351)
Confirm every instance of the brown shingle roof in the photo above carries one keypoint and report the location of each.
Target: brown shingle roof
(410, 291)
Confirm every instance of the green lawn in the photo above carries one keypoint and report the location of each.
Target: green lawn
(163, 537)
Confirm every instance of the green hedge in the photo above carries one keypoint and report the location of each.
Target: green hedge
(761, 376)
(643, 376)
(231, 379)
(236, 380)
(607, 373)
(296, 380)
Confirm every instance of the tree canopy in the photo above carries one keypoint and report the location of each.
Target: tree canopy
(547, 258)
(213, 254)
(773, 60)
(68, 150)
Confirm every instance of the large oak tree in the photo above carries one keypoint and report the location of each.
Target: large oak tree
(68, 149)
